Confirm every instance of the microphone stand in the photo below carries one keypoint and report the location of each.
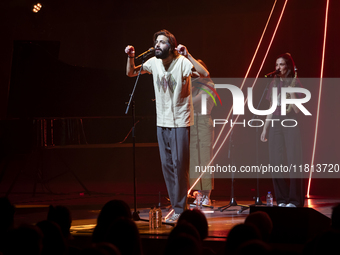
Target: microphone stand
(135, 214)
(257, 198)
(230, 156)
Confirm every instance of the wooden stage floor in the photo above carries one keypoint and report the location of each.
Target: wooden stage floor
(85, 211)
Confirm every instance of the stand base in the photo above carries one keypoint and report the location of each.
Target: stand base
(135, 216)
(231, 203)
(258, 201)
(246, 207)
(39, 172)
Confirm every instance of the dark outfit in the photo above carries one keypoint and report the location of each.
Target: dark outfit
(285, 142)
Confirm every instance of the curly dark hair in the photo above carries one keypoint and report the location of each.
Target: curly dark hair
(171, 37)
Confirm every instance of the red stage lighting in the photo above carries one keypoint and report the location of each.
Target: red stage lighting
(251, 64)
(319, 98)
(226, 137)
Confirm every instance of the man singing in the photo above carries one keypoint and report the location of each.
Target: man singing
(171, 69)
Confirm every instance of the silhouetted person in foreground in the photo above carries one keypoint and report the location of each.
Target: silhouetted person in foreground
(110, 212)
(101, 249)
(62, 216)
(239, 235)
(53, 240)
(7, 211)
(184, 228)
(262, 222)
(326, 243)
(253, 247)
(123, 233)
(183, 244)
(26, 239)
(199, 221)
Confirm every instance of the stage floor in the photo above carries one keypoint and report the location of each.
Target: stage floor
(85, 180)
(85, 210)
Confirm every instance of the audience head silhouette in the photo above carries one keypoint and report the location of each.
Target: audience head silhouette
(53, 240)
(240, 234)
(262, 222)
(7, 211)
(26, 239)
(197, 219)
(62, 216)
(110, 212)
(101, 249)
(183, 244)
(124, 234)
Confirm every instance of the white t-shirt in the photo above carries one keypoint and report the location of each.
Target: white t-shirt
(173, 91)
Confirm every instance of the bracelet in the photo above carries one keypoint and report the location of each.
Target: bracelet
(130, 57)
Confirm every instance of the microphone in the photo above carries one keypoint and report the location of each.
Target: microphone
(146, 53)
(271, 74)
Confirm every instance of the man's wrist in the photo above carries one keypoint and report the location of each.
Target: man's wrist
(131, 57)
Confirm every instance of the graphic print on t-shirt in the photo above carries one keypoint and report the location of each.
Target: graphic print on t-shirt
(166, 81)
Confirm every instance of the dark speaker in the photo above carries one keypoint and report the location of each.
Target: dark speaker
(294, 225)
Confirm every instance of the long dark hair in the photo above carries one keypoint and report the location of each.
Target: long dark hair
(171, 37)
(290, 72)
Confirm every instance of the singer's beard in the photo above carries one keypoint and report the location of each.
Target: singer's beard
(162, 54)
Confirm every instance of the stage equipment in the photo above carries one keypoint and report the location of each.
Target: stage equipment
(271, 74)
(146, 53)
(294, 225)
(231, 157)
(257, 137)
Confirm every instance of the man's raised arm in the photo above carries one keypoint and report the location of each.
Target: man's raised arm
(204, 73)
(131, 69)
